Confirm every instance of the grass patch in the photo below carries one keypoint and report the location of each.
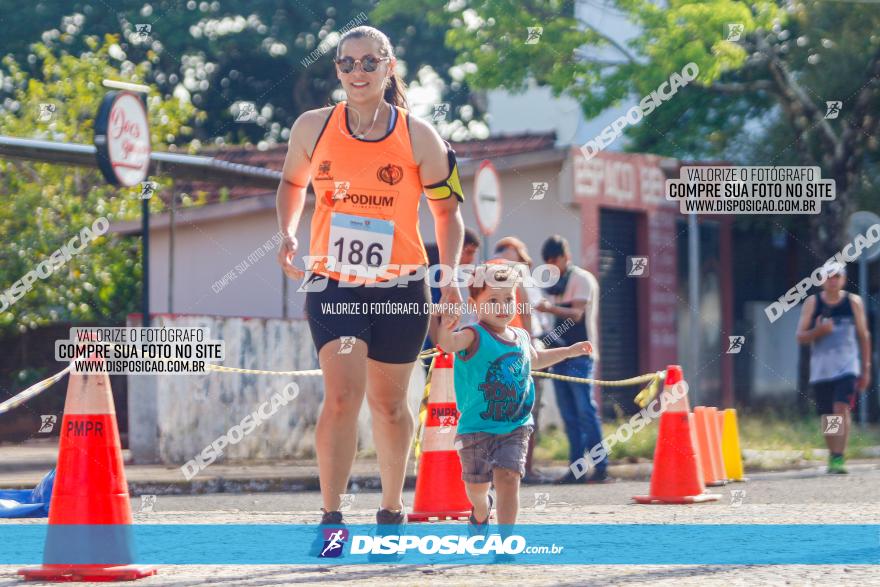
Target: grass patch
(778, 431)
(758, 431)
(553, 444)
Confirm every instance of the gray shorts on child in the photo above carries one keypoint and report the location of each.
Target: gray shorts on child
(480, 452)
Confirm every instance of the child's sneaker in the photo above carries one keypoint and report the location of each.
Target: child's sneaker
(476, 527)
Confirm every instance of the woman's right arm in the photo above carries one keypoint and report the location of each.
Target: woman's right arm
(290, 198)
(805, 334)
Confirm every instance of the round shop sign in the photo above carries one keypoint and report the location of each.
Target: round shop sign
(122, 138)
(858, 224)
(487, 197)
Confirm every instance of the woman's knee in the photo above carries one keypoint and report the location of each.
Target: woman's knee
(390, 410)
(341, 402)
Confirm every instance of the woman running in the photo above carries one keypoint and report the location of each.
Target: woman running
(369, 162)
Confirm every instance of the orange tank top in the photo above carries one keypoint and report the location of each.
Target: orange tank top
(366, 222)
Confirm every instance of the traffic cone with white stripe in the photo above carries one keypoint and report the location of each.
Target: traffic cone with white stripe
(676, 475)
(89, 534)
(440, 493)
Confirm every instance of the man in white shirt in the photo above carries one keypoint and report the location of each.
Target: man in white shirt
(574, 303)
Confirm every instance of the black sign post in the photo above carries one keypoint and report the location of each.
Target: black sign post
(122, 141)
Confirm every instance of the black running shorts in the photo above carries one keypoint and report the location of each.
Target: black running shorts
(840, 390)
(393, 321)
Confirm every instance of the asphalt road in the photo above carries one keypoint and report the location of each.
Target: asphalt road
(796, 497)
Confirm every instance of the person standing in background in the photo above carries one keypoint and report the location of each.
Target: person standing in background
(574, 303)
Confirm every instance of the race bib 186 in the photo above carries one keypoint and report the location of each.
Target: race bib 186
(359, 242)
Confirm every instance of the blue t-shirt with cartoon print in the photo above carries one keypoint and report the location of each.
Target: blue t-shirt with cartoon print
(494, 390)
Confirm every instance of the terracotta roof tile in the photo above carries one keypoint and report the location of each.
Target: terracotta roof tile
(501, 145)
(273, 158)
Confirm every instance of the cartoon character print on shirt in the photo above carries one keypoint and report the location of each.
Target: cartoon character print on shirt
(505, 389)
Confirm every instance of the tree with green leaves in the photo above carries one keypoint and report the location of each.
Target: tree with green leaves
(224, 52)
(45, 205)
(766, 68)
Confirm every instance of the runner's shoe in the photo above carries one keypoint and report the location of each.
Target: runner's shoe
(836, 465)
(388, 523)
(476, 527)
(329, 521)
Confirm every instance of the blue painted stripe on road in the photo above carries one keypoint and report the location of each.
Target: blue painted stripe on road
(593, 544)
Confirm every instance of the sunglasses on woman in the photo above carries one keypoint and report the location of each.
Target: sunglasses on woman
(369, 63)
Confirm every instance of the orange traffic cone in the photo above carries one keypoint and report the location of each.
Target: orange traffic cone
(708, 456)
(89, 534)
(692, 421)
(716, 421)
(440, 492)
(675, 478)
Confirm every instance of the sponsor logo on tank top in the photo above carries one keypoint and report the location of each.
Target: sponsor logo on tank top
(361, 199)
(390, 174)
(324, 170)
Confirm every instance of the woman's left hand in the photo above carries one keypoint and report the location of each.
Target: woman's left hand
(450, 299)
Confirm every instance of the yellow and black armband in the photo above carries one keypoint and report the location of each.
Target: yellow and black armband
(451, 185)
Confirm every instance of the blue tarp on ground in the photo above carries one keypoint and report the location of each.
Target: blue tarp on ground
(28, 503)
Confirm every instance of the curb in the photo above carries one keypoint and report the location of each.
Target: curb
(202, 485)
(237, 485)
(234, 485)
(280, 483)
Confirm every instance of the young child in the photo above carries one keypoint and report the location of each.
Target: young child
(495, 392)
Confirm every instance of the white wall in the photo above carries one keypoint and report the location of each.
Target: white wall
(172, 418)
(774, 351)
(536, 110)
(505, 114)
(530, 220)
(206, 251)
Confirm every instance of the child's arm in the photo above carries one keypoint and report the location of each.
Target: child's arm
(450, 341)
(547, 357)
